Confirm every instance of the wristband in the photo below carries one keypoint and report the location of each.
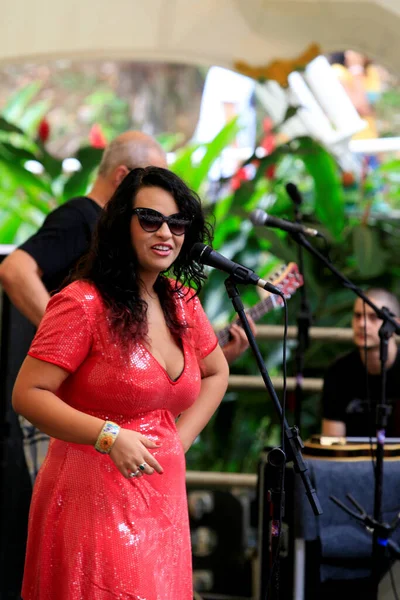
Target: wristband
(107, 437)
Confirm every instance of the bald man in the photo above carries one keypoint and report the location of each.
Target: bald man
(38, 267)
(348, 410)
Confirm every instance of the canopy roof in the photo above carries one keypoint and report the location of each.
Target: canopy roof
(198, 31)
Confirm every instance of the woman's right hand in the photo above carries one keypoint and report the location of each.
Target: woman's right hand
(130, 450)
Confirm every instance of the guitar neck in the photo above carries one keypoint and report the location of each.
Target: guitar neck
(256, 312)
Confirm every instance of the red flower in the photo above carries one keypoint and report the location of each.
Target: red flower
(239, 176)
(43, 130)
(96, 137)
(267, 125)
(348, 179)
(268, 142)
(270, 172)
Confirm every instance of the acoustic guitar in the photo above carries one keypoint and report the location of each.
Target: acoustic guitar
(288, 279)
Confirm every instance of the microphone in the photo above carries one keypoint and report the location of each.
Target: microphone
(259, 217)
(205, 255)
(293, 193)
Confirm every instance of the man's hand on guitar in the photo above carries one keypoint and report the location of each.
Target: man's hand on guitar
(237, 343)
(232, 338)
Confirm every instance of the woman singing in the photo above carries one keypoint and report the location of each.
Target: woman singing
(120, 354)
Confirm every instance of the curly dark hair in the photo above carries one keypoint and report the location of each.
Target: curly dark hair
(111, 263)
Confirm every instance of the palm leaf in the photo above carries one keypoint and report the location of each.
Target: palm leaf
(17, 104)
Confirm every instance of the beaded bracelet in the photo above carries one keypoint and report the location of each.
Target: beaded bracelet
(107, 437)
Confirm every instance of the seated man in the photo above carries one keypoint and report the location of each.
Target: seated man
(353, 384)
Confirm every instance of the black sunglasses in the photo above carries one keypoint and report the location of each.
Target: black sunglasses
(151, 220)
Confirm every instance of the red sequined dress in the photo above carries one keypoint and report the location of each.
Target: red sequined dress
(93, 534)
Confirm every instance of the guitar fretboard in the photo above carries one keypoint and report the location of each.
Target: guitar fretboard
(256, 312)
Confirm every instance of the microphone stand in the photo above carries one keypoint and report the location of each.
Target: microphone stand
(381, 529)
(272, 469)
(304, 320)
(383, 410)
(4, 425)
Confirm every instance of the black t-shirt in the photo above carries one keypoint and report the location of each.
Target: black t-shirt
(345, 396)
(62, 239)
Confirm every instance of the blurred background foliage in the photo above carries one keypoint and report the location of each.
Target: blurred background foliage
(359, 219)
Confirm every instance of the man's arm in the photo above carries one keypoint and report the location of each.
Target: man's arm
(51, 251)
(238, 342)
(20, 277)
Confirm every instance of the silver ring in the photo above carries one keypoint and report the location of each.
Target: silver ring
(135, 474)
(142, 466)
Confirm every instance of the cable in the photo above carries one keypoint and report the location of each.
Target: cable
(367, 393)
(392, 581)
(283, 405)
(285, 332)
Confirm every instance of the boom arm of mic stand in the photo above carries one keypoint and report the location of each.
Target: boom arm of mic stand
(292, 438)
(304, 320)
(383, 530)
(382, 313)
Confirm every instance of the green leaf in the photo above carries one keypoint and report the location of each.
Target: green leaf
(213, 150)
(183, 164)
(11, 152)
(370, 257)
(278, 244)
(78, 183)
(221, 210)
(230, 226)
(7, 126)
(388, 167)
(32, 116)
(8, 228)
(89, 157)
(52, 165)
(30, 183)
(329, 197)
(17, 104)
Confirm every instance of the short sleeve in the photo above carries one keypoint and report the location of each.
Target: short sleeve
(64, 336)
(203, 335)
(60, 242)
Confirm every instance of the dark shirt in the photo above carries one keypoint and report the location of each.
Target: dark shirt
(345, 395)
(62, 239)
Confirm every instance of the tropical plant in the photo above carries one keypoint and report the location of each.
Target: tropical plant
(364, 244)
(32, 180)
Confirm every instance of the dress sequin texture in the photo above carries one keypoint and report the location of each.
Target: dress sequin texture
(93, 534)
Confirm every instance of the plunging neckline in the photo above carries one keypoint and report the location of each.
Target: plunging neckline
(163, 369)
